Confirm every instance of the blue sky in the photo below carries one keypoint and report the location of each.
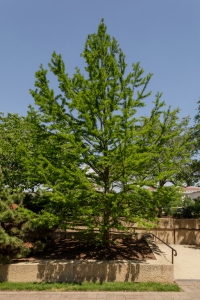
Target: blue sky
(164, 35)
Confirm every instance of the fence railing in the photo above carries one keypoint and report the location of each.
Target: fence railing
(174, 252)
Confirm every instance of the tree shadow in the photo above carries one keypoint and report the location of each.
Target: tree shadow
(4, 272)
(194, 247)
(185, 236)
(152, 244)
(90, 271)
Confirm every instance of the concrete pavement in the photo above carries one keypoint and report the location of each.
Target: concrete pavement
(190, 291)
(186, 263)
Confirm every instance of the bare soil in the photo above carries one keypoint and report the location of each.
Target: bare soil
(73, 249)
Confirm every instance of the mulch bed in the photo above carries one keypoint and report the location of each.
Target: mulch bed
(73, 249)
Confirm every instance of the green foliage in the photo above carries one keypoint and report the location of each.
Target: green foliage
(21, 229)
(167, 197)
(13, 137)
(11, 247)
(197, 128)
(191, 172)
(171, 143)
(191, 208)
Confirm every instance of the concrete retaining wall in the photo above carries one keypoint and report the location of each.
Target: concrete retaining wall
(79, 271)
(178, 231)
(178, 236)
(172, 231)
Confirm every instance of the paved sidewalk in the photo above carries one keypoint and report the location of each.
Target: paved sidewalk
(186, 263)
(190, 291)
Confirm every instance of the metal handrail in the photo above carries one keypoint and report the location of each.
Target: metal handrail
(173, 250)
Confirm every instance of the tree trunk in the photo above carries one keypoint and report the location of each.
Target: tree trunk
(106, 230)
(106, 216)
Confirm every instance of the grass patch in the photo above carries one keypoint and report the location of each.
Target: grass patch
(90, 286)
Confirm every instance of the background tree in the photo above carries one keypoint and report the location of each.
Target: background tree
(13, 137)
(22, 230)
(170, 139)
(27, 150)
(191, 208)
(10, 245)
(21, 139)
(168, 198)
(192, 171)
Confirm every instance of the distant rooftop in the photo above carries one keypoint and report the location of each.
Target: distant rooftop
(191, 189)
(188, 189)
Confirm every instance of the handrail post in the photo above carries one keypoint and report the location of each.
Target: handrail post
(174, 252)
